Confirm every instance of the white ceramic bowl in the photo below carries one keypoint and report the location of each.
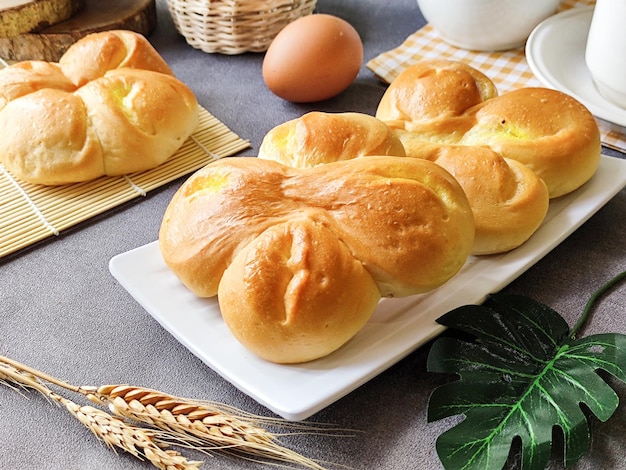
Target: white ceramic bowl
(486, 25)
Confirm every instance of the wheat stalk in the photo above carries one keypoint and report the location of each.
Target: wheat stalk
(134, 440)
(208, 425)
(114, 432)
(197, 424)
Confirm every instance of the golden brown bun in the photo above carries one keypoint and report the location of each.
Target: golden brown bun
(93, 55)
(314, 298)
(317, 137)
(27, 77)
(429, 97)
(548, 131)
(141, 117)
(127, 121)
(41, 151)
(509, 201)
(406, 222)
(124, 121)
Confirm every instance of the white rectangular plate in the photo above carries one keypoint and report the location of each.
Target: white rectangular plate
(398, 327)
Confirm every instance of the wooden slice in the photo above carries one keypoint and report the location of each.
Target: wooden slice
(50, 43)
(26, 16)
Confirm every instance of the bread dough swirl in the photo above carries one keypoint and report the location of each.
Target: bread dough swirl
(509, 200)
(549, 131)
(317, 138)
(333, 238)
(98, 112)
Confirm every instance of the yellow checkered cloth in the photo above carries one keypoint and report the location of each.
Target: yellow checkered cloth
(508, 69)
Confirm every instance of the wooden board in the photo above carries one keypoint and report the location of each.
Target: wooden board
(27, 16)
(97, 15)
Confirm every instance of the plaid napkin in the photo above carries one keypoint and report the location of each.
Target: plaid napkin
(507, 69)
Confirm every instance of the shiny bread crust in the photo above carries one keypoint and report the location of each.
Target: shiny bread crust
(547, 130)
(295, 246)
(93, 115)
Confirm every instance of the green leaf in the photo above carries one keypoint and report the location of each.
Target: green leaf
(520, 376)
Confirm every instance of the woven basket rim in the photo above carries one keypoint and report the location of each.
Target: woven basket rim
(234, 26)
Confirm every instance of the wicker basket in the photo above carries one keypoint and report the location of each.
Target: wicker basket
(232, 26)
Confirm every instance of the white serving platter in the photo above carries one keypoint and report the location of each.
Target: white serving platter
(398, 327)
(555, 52)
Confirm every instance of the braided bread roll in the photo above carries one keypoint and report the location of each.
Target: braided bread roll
(64, 124)
(430, 97)
(509, 200)
(91, 57)
(317, 137)
(27, 77)
(549, 131)
(300, 257)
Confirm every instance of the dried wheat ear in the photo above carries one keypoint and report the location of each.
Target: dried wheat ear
(171, 421)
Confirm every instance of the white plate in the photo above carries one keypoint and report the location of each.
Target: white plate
(555, 52)
(398, 327)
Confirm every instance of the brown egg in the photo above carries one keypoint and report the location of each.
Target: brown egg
(313, 58)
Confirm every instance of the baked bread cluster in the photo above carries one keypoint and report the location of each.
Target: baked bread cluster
(446, 102)
(111, 106)
(300, 257)
(341, 209)
(510, 153)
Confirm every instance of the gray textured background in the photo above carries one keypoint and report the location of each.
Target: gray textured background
(62, 312)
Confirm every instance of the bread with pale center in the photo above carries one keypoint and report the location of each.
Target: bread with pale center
(549, 131)
(26, 77)
(58, 126)
(299, 257)
(509, 200)
(94, 55)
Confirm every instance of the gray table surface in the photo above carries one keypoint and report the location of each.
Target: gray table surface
(62, 312)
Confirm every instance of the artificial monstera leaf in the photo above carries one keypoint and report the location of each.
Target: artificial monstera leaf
(521, 374)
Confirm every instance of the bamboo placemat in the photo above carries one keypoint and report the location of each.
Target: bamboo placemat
(30, 213)
(508, 69)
